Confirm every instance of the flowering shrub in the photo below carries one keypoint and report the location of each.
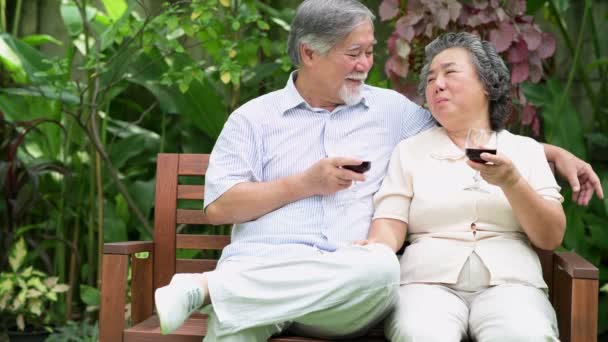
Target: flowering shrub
(517, 38)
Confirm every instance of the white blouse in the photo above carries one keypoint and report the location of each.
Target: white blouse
(424, 187)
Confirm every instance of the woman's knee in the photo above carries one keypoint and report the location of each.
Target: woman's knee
(409, 324)
(519, 332)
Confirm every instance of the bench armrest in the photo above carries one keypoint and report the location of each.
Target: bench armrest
(115, 264)
(128, 247)
(576, 266)
(575, 297)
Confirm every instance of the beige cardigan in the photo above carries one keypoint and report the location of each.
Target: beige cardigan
(424, 188)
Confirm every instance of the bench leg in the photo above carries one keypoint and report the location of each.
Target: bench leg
(113, 297)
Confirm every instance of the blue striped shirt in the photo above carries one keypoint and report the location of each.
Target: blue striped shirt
(279, 134)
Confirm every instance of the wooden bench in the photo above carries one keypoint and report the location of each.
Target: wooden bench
(573, 282)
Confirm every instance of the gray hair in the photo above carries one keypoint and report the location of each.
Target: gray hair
(321, 24)
(491, 70)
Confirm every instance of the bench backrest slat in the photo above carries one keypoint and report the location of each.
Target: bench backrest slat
(191, 216)
(167, 215)
(190, 192)
(195, 265)
(211, 242)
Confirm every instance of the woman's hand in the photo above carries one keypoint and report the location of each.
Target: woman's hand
(501, 172)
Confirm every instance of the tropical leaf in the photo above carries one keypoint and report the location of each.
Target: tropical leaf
(39, 39)
(201, 104)
(89, 295)
(11, 61)
(18, 254)
(114, 228)
(45, 92)
(115, 8)
(32, 61)
(562, 122)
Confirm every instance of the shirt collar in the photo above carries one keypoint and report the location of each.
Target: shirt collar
(293, 99)
(443, 147)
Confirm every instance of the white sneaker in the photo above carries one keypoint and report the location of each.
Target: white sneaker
(176, 302)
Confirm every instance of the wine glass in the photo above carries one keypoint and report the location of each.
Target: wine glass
(355, 152)
(479, 140)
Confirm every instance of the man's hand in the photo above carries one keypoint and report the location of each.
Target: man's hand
(580, 175)
(327, 175)
(501, 172)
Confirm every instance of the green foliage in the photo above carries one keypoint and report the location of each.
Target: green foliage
(82, 127)
(81, 331)
(26, 293)
(585, 133)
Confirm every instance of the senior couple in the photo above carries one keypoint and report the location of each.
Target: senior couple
(313, 245)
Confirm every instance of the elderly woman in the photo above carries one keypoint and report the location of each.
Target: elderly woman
(470, 268)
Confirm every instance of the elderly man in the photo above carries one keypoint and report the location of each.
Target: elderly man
(280, 171)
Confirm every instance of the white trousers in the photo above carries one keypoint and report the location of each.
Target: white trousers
(509, 312)
(327, 295)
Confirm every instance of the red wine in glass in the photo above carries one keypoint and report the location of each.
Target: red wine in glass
(361, 168)
(474, 154)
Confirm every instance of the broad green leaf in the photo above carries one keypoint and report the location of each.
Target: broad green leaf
(11, 62)
(60, 288)
(45, 92)
(51, 281)
(562, 122)
(115, 8)
(89, 295)
(177, 33)
(282, 23)
(122, 151)
(8, 55)
(18, 254)
(114, 229)
(37, 284)
(599, 236)
(142, 193)
(20, 299)
(225, 3)
(52, 296)
(262, 25)
(122, 208)
(574, 236)
(6, 285)
(27, 272)
(33, 293)
(603, 312)
(202, 104)
(35, 307)
(596, 64)
(32, 60)
(534, 5)
(73, 20)
(39, 39)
